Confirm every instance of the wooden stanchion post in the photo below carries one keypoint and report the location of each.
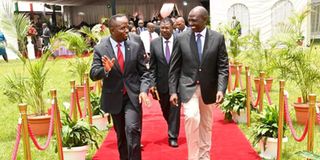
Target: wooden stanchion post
(248, 101)
(99, 86)
(73, 93)
(280, 119)
(25, 133)
(229, 79)
(57, 122)
(88, 103)
(312, 118)
(261, 88)
(237, 75)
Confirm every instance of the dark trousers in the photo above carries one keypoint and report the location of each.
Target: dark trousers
(171, 114)
(127, 125)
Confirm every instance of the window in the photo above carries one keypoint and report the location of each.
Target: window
(242, 14)
(315, 20)
(280, 12)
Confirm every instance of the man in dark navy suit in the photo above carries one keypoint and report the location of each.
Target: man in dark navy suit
(161, 49)
(120, 64)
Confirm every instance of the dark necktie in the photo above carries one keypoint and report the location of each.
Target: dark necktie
(167, 52)
(120, 57)
(199, 46)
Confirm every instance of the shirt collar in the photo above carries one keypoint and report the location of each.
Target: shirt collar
(114, 43)
(203, 32)
(170, 39)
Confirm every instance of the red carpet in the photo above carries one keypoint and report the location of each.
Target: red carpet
(228, 142)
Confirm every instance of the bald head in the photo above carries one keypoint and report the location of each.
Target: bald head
(201, 11)
(198, 18)
(180, 23)
(150, 27)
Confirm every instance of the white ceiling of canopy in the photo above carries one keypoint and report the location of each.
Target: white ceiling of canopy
(71, 2)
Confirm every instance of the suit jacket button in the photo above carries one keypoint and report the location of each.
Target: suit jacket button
(197, 82)
(199, 69)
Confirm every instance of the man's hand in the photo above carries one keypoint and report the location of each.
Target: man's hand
(174, 99)
(107, 63)
(143, 98)
(219, 97)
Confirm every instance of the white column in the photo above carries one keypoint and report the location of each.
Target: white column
(30, 49)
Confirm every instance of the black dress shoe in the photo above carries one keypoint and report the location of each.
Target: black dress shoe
(173, 143)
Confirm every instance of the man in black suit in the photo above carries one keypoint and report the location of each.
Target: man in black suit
(161, 49)
(199, 70)
(126, 80)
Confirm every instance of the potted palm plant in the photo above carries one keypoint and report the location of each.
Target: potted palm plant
(26, 86)
(234, 105)
(74, 42)
(265, 131)
(294, 62)
(254, 50)
(99, 117)
(235, 42)
(76, 138)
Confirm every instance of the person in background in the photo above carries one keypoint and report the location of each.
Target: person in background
(199, 73)
(147, 37)
(161, 49)
(3, 44)
(141, 27)
(45, 35)
(181, 25)
(119, 62)
(235, 24)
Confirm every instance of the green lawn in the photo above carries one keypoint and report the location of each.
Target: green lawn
(59, 78)
(292, 146)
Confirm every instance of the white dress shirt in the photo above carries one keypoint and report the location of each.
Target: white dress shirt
(145, 37)
(170, 44)
(203, 37)
(115, 48)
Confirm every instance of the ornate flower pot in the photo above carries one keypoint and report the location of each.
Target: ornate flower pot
(39, 124)
(100, 122)
(268, 83)
(234, 68)
(269, 148)
(80, 90)
(75, 153)
(302, 114)
(242, 118)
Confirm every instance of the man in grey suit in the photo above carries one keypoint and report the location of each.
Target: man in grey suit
(120, 64)
(161, 49)
(199, 70)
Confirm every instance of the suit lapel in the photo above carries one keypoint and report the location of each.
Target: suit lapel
(162, 52)
(111, 54)
(193, 46)
(208, 40)
(128, 55)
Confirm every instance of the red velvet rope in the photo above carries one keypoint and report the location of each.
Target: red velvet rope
(16, 145)
(267, 93)
(78, 104)
(255, 104)
(239, 75)
(34, 140)
(289, 122)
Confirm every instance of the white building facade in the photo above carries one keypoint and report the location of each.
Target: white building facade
(264, 15)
